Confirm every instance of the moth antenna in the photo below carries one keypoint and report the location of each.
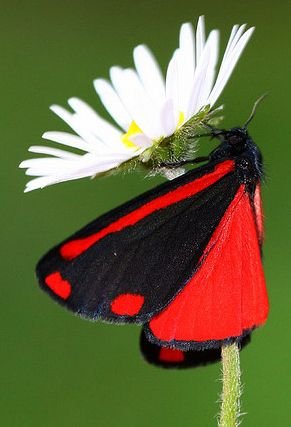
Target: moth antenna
(253, 113)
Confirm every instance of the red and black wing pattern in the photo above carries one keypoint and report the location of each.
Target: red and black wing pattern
(226, 297)
(167, 357)
(259, 215)
(130, 263)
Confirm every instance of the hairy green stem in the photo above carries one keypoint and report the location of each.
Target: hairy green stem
(231, 386)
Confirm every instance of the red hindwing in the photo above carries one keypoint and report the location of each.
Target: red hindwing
(227, 295)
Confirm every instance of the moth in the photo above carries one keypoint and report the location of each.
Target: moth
(183, 260)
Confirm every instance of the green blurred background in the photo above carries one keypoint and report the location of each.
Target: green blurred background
(56, 369)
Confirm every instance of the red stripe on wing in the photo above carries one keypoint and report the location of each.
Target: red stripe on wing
(228, 294)
(259, 212)
(74, 248)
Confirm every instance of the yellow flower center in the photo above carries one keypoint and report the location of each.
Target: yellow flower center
(133, 130)
(181, 119)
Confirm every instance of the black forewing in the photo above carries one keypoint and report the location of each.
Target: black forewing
(153, 258)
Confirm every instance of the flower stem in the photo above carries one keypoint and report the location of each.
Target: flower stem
(231, 386)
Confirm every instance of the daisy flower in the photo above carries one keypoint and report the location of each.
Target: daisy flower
(146, 107)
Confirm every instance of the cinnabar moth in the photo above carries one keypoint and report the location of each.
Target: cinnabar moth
(183, 260)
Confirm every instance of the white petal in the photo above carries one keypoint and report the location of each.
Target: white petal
(103, 130)
(43, 164)
(76, 142)
(49, 170)
(169, 117)
(40, 182)
(149, 73)
(112, 103)
(172, 81)
(136, 100)
(40, 149)
(66, 138)
(73, 121)
(209, 72)
(234, 38)
(141, 141)
(88, 167)
(186, 65)
(200, 38)
(58, 166)
(204, 74)
(228, 65)
(231, 37)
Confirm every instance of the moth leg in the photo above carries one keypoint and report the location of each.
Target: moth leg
(184, 162)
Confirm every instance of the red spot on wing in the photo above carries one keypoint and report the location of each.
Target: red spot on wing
(228, 294)
(58, 285)
(127, 304)
(171, 355)
(74, 248)
(259, 212)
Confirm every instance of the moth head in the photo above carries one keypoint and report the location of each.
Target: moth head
(236, 138)
(233, 141)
